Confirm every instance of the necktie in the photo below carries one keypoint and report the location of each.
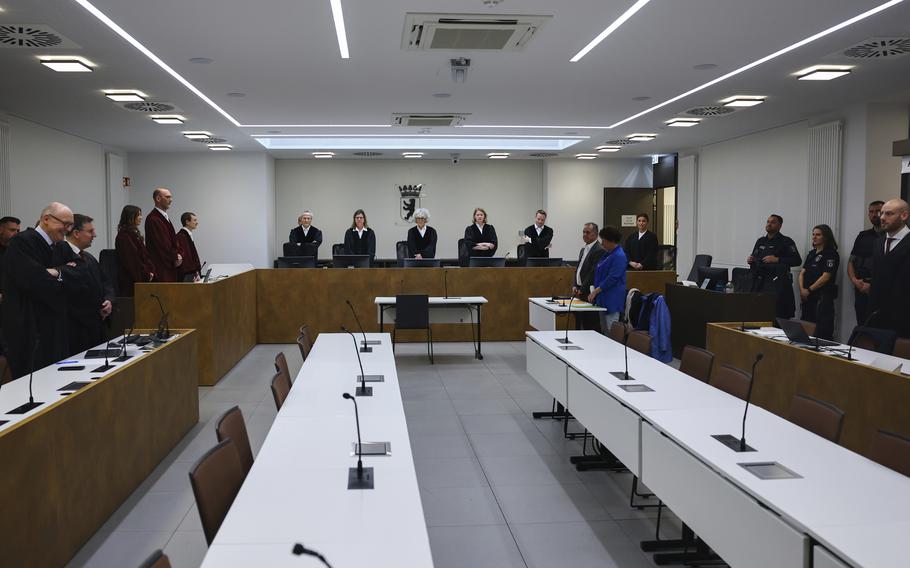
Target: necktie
(888, 242)
(82, 255)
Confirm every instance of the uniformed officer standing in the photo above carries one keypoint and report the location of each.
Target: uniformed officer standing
(770, 261)
(818, 282)
(859, 269)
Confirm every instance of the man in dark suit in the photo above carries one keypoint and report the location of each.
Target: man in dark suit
(34, 307)
(89, 294)
(9, 228)
(891, 270)
(641, 247)
(160, 238)
(305, 232)
(186, 244)
(588, 257)
(538, 237)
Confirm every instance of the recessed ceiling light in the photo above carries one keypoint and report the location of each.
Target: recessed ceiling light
(608, 148)
(273, 131)
(168, 118)
(202, 60)
(220, 147)
(412, 154)
(641, 137)
(323, 155)
(585, 156)
(441, 95)
(67, 64)
(683, 122)
(236, 95)
(125, 96)
(743, 101)
(824, 72)
(610, 29)
(642, 98)
(705, 66)
(196, 134)
(498, 155)
(339, 29)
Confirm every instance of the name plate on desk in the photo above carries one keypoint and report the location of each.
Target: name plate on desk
(769, 470)
(74, 386)
(373, 448)
(371, 378)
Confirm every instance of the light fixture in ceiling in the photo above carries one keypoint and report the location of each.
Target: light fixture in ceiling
(323, 155)
(412, 154)
(196, 134)
(743, 101)
(338, 15)
(641, 137)
(66, 63)
(125, 95)
(585, 156)
(220, 147)
(168, 118)
(824, 72)
(606, 149)
(415, 143)
(765, 59)
(610, 29)
(498, 155)
(684, 122)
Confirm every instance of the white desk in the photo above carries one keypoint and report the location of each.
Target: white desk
(542, 312)
(451, 309)
(297, 488)
(222, 271)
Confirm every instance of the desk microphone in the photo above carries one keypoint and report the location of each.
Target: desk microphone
(742, 439)
(566, 341)
(366, 344)
(363, 389)
(31, 404)
(358, 477)
(163, 329)
(107, 365)
(624, 376)
(853, 339)
(299, 549)
(126, 339)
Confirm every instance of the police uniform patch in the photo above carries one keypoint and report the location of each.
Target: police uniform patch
(831, 263)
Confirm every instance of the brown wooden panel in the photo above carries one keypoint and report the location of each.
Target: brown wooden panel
(223, 312)
(649, 281)
(871, 398)
(66, 469)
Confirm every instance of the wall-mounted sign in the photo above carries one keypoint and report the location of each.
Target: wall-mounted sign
(410, 200)
(905, 165)
(628, 220)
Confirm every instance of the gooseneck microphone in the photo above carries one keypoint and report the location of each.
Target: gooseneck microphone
(853, 339)
(31, 404)
(163, 329)
(565, 341)
(742, 439)
(366, 344)
(624, 375)
(107, 365)
(363, 389)
(126, 339)
(299, 550)
(358, 477)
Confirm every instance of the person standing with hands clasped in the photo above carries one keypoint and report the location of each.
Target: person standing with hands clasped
(817, 282)
(610, 279)
(161, 239)
(479, 237)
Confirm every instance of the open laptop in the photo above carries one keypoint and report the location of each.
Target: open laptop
(795, 333)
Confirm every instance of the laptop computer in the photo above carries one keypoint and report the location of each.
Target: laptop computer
(795, 333)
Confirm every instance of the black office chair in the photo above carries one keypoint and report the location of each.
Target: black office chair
(463, 253)
(412, 311)
(700, 260)
(291, 249)
(522, 254)
(742, 279)
(401, 252)
(873, 339)
(337, 248)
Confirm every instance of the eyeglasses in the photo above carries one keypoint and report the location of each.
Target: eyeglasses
(66, 225)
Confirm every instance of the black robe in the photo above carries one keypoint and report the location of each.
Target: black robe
(537, 248)
(425, 246)
(353, 244)
(642, 250)
(473, 236)
(890, 291)
(86, 288)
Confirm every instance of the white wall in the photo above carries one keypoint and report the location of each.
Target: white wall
(686, 214)
(48, 165)
(232, 194)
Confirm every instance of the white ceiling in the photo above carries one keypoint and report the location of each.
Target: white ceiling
(283, 55)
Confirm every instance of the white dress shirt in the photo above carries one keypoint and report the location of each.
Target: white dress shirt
(422, 231)
(360, 232)
(44, 235)
(163, 213)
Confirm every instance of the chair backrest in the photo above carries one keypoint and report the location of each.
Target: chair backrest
(158, 559)
(696, 362)
(305, 341)
(337, 248)
(412, 311)
(618, 332)
(216, 478)
(873, 339)
(640, 341)
(817, 416)
(291, 249)
(281, 386)
(732, 381)
(401, 250)
(742, 279)
(522, 251)
(107, 260)
(281, 365)
(891, 450)
(231, 425)
(901, 348)
(808, 326)
(462, 253)
(700, 260)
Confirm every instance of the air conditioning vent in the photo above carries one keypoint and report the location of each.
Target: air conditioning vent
(33, 36)
(212, 140)
(427, 120)
(544, 155)
(150, 107)
(367, 154)
(468, 32)
(620, 142)
(715, 110)
(879, 48)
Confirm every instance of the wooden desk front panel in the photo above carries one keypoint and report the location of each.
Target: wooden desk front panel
(871, 398)
(69, 467)
(223, 312)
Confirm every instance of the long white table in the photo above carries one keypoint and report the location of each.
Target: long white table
(543, 312)
(826, 517)
(297, 490)
(443, 309)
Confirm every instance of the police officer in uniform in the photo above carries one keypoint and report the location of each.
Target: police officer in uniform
(859, 269)
(770, 261)
(817, 282)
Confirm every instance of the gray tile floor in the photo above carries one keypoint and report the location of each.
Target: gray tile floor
(497, 487)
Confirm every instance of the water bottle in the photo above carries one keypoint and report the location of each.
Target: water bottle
(729, 288)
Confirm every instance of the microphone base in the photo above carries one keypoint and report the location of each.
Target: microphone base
(103, 368)
(123, 358)
(563, 340)
(364, 391)
(623, 376)
(732, 442)
(571, 348)
(27, 407)
(366, 349)
(365, 482)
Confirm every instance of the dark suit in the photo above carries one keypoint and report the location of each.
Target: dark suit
(133, 261)
(191, 264)
(642, 250)
(537, 248)
(587, 320)
(161, 242)
(33, 305)
(890, 284)
(425, 246)
(355, 244)
(85, 288)
(473, 236)
(314, 236)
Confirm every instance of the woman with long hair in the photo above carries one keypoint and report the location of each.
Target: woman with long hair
(360, 238)
(133, 261)
(818, 281)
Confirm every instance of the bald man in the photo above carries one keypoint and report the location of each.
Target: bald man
(34, 306)
(161, 239)
(889, 294)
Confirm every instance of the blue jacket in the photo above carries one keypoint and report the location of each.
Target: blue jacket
(659, 329)
(610, 277)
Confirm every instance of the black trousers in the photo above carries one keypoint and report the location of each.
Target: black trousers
(819, 309)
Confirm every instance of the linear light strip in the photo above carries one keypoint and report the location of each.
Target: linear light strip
(339, 29)
(764, 59)
(157, 60)
(530, 136)
(610, 29)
